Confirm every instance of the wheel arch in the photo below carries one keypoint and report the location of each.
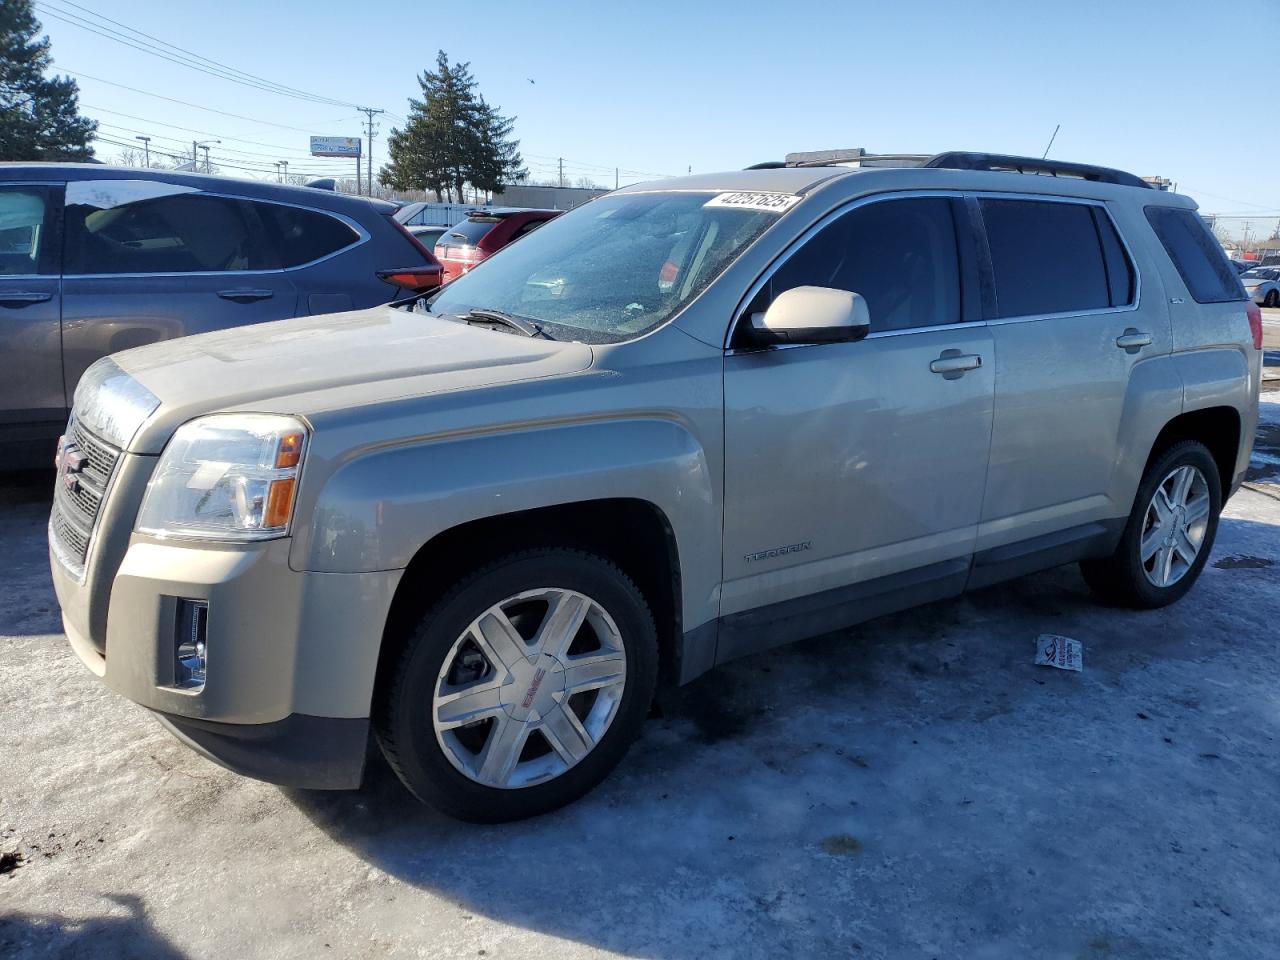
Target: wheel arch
(633, 533)
(1217, 427)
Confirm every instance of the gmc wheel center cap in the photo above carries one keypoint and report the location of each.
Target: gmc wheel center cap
(535, 688)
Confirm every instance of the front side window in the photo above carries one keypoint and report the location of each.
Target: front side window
(1197, 256)
(613, 268)
(24, 233)
(899, 255)
(1048, 258)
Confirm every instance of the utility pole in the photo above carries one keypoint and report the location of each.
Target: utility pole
(562, 171)
(206, 158)
(197, 145)
(146, 151)
(285, 164)
(370, 129)
(615, 178)
(279, 179)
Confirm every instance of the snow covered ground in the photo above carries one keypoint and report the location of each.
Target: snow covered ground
(911, 788)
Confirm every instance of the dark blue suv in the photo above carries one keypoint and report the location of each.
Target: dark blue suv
(97, 259)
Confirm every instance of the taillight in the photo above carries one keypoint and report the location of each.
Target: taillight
(417, 279)
(1255, 323)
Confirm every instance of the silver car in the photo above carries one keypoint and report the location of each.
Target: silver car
(684, 423)
(1262, 284)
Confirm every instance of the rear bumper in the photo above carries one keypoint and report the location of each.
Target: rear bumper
(312, 753)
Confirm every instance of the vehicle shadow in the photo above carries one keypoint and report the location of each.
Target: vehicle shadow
(129, 937)
(772, 806)
(27, 605)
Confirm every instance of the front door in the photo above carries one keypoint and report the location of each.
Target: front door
(32, 406)
(855, 471)
(147, 260)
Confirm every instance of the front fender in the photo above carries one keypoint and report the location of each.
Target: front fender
(375, 511)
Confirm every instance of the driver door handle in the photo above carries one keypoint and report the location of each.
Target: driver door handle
(953, 364)
(22, 299)
(246, 295)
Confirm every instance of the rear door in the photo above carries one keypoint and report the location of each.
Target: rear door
(146, 260)
(1071, 327)
(855, 471)
(32, 405)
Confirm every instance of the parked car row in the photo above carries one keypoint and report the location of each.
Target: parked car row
(95, 259)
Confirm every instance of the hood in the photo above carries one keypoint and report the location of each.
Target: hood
(310, 364)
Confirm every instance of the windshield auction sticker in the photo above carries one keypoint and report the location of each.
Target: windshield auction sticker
(773, 202)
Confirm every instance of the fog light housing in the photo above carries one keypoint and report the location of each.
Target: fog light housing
(190, 644)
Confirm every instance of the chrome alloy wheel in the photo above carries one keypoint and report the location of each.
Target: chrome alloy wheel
(1175, 525)
(529, 688)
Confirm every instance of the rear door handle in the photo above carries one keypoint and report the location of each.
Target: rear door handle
(246, 295)
(1133, 340)
(953, 364)
(22, 299)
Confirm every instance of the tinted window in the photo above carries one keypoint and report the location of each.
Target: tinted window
(1203, 266)
(139, 226)
(1119, 267)
(24, 233)
(1046, 257)
(305, 235)
(150, 227)
(468, 232)
(900, 255)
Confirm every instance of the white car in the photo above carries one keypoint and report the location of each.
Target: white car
(1262, 284)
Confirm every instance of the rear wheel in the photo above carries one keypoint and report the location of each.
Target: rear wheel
(522, 688)
(1169, 534)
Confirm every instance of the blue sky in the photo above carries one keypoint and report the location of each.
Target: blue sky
(1169, 88)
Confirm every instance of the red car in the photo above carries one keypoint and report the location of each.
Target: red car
(484, 233)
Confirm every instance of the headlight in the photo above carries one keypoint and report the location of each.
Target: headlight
(226, 477)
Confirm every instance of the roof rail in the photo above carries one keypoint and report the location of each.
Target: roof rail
(766, 165)
(960, 160)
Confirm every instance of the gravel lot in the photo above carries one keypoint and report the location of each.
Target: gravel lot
(911, 788)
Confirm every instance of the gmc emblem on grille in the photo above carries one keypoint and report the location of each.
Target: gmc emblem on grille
(72, 462)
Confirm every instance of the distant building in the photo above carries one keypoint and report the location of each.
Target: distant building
(1159, 183)
(545, 198)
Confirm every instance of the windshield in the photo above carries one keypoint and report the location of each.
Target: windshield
(612, 269)
(1258, 275)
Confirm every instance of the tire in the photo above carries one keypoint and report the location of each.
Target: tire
(462, 662)
(1272, 299)
(1128, 579)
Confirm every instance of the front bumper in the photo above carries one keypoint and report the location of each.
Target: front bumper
(291, 654)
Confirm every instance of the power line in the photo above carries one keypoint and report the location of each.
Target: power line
(176, 54)
(185, 103)
(209, 133)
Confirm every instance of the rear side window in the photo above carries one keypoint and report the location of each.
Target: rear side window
(1199, 259)
(123, 226)
(900, 255)
(26, 245)
(1048, 258)
(305, 235)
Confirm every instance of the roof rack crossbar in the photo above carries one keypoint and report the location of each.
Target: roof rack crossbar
(960, 160)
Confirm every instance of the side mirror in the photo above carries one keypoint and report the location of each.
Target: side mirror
(812, 315)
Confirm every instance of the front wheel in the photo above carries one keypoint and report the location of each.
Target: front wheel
(1169, 534)
(1272, 299)
(522, 688)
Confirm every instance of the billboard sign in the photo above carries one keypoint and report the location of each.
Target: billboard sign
(335, 146)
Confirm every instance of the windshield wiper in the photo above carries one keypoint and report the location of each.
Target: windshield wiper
(527, 327)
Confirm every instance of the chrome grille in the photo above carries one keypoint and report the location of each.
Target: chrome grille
(85, 468)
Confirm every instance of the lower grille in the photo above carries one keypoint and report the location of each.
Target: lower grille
(85, 467)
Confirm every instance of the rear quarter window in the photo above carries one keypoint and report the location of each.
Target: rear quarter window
(1196, 255)
(303, 236)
